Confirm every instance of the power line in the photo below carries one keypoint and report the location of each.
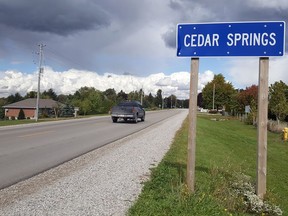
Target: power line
(61, 59)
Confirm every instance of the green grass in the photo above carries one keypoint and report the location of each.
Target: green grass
(15, 122)
(223, 149)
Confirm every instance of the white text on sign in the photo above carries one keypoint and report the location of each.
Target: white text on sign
(236, 39)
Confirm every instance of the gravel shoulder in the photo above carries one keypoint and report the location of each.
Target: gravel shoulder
(105, 181)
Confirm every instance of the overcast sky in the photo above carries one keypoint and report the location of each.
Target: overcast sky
(125, 44)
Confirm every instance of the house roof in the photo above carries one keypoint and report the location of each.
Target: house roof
(31, 103)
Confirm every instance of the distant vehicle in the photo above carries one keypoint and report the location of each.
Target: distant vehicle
(128, 110)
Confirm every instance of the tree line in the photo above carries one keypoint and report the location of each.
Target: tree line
(217, 94)
(236, 101)
(92, 101)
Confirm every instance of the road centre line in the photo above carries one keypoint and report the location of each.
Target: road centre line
(35, 134)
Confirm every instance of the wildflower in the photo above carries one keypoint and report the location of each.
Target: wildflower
(246, 190)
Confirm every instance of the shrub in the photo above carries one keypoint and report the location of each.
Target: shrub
(249, 119)
(274, 127)
(21, 114)
(245, 190)
(213, 111)
(2, 113)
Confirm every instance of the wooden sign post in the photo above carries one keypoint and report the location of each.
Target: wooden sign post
(192, 124)
(262, 126)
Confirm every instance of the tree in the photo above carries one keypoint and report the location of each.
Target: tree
(121, 96)
(50, 94)
(31, 94)
(2, 110)
(83, 92)
(110, 94)
(56, 109)
(224, 92)
(171, 101)
(233, 106)
(85, 106)
(21, 114)
(185, 103)
(278, 103)
(247, 97)
(158, 98)
(96, 100)
(110, 97)
(92, 101)
(63, 111)
(253, 111)
(14, 98)
(134, 95)
(200, 100)
(63, 98)
(149, 101)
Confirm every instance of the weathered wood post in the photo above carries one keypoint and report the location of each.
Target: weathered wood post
(192, 124)
(262, 126)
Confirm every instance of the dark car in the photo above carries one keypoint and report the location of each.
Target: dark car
(128, 110)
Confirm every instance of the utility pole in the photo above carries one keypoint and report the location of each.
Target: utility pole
(175, 101)
(141, 96)
(162, 96)
(41, 70)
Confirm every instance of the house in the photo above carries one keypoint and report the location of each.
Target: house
(46, 106)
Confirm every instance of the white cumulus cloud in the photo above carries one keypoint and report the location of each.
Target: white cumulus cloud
(245, 71)
(67, 82)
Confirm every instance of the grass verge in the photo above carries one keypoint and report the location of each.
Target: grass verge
(225, 156)
(16, 122)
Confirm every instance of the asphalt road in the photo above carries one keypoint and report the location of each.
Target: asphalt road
(27, 150)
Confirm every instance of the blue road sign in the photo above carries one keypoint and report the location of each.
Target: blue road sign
(261, 39)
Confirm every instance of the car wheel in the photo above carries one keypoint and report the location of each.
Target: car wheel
(114, 119)
(143, 118)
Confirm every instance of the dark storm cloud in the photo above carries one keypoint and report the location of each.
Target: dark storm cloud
(53, 16)
(169, 37)
(190, 11)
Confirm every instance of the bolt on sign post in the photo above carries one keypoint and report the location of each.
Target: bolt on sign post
(258, 39)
